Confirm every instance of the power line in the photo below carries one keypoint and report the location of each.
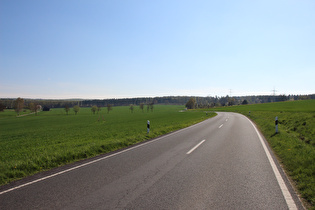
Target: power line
(274, 91)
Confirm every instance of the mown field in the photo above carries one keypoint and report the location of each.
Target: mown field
(33, 143)
(294, 144)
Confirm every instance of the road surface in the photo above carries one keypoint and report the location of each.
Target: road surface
(221, 163)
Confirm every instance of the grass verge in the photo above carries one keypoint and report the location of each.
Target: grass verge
(294, 144)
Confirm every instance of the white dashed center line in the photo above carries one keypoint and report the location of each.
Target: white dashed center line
(195, 147)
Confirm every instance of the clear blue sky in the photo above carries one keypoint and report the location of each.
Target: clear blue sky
(132, 48)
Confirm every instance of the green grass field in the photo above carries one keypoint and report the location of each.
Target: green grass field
(294, 144)
(30, 144)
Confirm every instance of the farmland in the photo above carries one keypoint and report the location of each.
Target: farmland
(34, 143)
(294, 144)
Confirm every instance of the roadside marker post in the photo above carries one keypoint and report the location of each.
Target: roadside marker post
(148, 126)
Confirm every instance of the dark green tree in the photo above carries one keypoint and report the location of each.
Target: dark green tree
(142, 106)
(148, 107)
(34, 107)
(131, 108)
(191, 103)
(18, 105)
(2, 107)
(76, 109)
(109, 108)
(93, 109)
(244, 102)
(67, 109)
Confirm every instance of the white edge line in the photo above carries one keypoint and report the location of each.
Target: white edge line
(97, 160)
(195, 147)
(287, 195)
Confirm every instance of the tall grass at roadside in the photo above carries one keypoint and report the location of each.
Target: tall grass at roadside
(295, 142)
(32, 143)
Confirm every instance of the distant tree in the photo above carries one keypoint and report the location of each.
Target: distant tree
(76, 109)
(98, 109)
(303, 97)
(109, 108)
(18, 105)
(191, 103)
(224, 101)
(142, 106)
(93, 109)
(152, 106)
(2, 107)
(131, 108)
(34, 107)
(67, 109)
(31, 106)
(244, 102)
(282, 98)
(148, 107)
(231, 101)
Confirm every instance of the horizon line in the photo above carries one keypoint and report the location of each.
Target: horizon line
(113, 98)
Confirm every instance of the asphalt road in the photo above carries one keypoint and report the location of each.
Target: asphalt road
(221, 163)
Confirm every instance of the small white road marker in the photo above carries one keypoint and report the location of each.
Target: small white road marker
(220, 126)
(195, 147)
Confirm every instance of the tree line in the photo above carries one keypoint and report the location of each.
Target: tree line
(199, 102)
(207, 102)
